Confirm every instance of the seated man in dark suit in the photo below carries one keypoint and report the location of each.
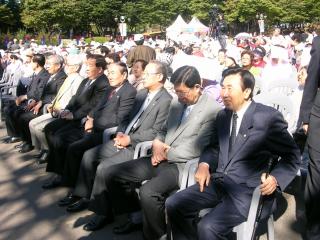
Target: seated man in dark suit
(184, 135)
(24, 103)
(89, 93)
(69, 145)
(245, 131)
(146, 118)
(54, 65)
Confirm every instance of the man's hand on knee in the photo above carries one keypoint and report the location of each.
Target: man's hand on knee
(202, 175)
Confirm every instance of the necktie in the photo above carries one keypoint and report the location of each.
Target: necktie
(62, 90)
(185, 114)
(50, 79)
(233, 134)
(136, 118)
(86, 86)
(111, 94)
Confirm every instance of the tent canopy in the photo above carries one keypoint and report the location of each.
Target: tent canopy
(178, 25)
(196, 26)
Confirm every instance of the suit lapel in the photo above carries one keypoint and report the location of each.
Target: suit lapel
(151, 106)
(224, 130)
(242, 136)
(175, 116)
(140, 98)
(195, 112)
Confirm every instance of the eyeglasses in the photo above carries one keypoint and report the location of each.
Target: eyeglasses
(183, 94)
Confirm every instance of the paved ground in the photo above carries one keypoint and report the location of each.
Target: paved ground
(28, 212)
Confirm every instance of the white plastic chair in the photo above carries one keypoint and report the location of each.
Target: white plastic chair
(282, 103)
(5, 97)
(141, 149)
(244, 230)
(107, 133)
(284, 86)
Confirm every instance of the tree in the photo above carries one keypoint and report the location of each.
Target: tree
(6, 18)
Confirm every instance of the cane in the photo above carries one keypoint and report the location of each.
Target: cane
(261, 201)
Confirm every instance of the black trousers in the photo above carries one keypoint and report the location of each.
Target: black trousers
(104, 153)
(74, 156)
(163, 180)
(60, 134)
(312, 195)
(183, 208)
(12, 112)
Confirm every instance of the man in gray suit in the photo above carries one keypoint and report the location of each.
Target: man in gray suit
(184, 135)
(146, 118)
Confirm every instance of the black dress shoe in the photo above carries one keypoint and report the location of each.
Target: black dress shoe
(14, 140)
(128, 227)
(78, 206)
(68, 200)
(97, 222)
(55, 182)
(6, 139)
(20, 145)
(26, 148)
(38, 155)
(43, 158)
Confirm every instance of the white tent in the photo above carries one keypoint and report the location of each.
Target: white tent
(176, 28)
(196, 26)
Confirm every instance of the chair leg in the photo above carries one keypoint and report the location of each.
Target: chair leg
(270, 228)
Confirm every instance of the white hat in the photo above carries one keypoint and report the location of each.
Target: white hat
(138, 37)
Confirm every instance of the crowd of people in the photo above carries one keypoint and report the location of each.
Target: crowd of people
(192, 100)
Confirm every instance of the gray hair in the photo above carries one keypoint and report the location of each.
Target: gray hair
(75, 60)
(56, 59)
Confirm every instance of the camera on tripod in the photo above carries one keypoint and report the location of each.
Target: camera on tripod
(218, 27)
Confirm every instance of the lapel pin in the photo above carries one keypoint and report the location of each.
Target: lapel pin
(245, 135)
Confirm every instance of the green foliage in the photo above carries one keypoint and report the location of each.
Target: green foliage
(96, 39)
(6, 17)
(98, 15)
(21, 34)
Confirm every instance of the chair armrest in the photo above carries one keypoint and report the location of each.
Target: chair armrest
(44, 109)
(107, 133)
(141, 149)
(8, 87)
(4, 85)
(188, 173)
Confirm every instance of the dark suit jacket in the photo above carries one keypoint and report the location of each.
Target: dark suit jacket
(151, 119)
(110, 112)
(262, 131)
(37, 85)
(83, 101)
(51, 89)
(310, 104)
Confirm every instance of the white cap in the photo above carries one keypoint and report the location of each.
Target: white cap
(138, 37)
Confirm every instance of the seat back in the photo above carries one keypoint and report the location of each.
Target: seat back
(283, 86)
(283, 104)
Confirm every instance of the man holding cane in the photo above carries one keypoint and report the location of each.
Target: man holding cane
(245, 136)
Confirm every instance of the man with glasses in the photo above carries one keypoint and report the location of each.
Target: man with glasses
(146, 118)
(89, 93)
(187, 130)
(66, 92)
